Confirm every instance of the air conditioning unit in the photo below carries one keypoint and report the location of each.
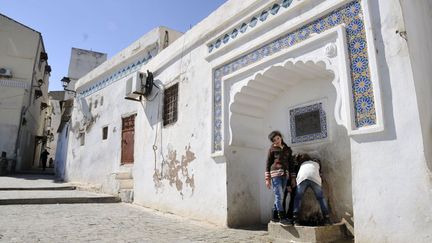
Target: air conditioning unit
(5, 72)
(135, 85)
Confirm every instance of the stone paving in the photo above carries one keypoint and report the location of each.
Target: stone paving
(99, 222)
(44, 189)
(29, 181)
(48, 194)
(117, 222)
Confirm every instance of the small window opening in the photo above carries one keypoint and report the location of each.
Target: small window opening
(170, 105)
(82, 138)
(104, 133)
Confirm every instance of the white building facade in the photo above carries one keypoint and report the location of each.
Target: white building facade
(339, 78)
(56, 99)
(81, 62)
(24, 79)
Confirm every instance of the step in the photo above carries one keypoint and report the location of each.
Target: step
(65, 200)
(52, 188)
(36, 171)
(126, 195)
(32, 182)
(124, 175)
(53, 197)
(331, 233)
(126, 184)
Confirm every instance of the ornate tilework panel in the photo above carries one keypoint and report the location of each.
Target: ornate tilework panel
(308, 123)
(245, 26)
(351, 15)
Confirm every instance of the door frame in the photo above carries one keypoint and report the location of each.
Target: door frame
(130, 129)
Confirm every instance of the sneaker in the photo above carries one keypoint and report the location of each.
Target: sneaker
(275, 220)
(275, 217)
(285, 222)
(295, 221)
(327, 221)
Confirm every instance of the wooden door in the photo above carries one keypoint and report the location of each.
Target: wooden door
(128, 134)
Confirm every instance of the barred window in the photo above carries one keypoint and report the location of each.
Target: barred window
(170, 105)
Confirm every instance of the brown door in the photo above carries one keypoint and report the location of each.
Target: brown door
(128, 132)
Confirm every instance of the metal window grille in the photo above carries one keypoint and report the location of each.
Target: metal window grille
(170, 105)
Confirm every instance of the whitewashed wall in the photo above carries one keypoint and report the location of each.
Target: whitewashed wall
(61, 152)
(391, 179)
(417, 16)
(378, 159)
(205, 198)
(96, 107)
(20, 49)
(385, 165)
(97, 160)
(83, 61)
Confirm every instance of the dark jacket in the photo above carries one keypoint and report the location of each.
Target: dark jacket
(279, 161)
(44, 156)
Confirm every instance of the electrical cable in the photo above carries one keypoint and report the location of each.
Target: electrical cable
(155, 147)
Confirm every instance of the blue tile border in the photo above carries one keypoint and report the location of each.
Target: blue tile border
(248, 25)
(352, 16)
(115, 76)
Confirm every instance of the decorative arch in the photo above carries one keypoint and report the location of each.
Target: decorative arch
(359, 92)
(253, 96)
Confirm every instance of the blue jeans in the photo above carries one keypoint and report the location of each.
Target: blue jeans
(318, 194)
(279, 184)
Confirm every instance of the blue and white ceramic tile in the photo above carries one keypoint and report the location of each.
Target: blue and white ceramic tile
(351, 15)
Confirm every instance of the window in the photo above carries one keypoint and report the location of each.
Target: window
(170, 105)
(104, 133)
(82, 138)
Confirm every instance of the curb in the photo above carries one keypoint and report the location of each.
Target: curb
(61, 200)
(58, 188)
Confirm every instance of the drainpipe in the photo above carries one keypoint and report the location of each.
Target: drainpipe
(24, 108)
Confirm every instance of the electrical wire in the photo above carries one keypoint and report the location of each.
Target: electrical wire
(155, 147)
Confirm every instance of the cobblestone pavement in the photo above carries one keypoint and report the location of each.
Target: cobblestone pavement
(118, 222)
(48, 194)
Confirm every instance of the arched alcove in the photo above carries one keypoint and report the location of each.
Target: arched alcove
(262, 103)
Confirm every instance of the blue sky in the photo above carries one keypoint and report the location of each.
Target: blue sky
(106, 26)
